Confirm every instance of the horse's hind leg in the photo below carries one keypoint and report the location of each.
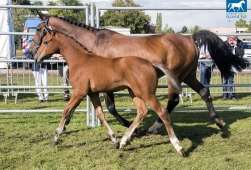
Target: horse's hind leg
(110, 104)
(141, 114)
(68, 112)
(205, 95)
(97, 105)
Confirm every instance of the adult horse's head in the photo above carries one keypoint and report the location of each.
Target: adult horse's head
(47, 46)
(39, 34)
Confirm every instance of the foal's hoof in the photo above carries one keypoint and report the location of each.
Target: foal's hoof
(181, 152)
(116, 145)
(122, 145)
(219, 122)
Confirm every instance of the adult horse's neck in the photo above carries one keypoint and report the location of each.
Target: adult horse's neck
(92, 38)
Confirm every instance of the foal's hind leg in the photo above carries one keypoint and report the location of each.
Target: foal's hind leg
(205, 95)
(68, 112)
(97, 105)
(110, 104)
(173, 101)
(164, 115)
(141, 113)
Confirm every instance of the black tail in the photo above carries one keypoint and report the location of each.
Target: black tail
(222, 56)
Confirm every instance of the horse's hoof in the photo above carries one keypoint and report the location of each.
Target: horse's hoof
(150, 131)
(55, 142)
(181, 152)
(219, 122)
(116, 145)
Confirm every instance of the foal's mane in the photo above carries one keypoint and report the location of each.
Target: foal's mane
(74, 40)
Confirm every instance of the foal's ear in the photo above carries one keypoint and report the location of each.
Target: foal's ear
(41, 15)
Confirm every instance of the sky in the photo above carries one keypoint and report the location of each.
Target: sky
(177, 19)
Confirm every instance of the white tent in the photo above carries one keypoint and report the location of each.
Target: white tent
(7, 44)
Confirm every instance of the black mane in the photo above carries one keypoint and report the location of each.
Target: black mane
(80, 24)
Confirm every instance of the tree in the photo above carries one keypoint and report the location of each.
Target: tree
(137, 20)
(241, 23)
(19, 19)
(249, 27)
(168, 29)
(183, 30)
(21, 2)
(74, 14)
(195, 29)
(158, 29)
(38, 3)
(52, 3)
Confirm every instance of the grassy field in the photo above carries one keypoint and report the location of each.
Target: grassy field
(26, 138)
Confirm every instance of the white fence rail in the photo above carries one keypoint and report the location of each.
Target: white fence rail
(14, 81)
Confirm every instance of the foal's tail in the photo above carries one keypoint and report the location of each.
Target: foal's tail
(219, 52)
(171, 77)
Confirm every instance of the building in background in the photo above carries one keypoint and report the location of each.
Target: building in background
(222, 30)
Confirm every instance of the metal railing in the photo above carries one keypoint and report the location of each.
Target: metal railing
(17, 80)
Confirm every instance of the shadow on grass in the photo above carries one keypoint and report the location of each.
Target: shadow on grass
(195, 126)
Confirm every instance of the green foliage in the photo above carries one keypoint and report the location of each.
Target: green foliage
(19, 19)
(249, 27)
(195, 29)
(38, 3)
(137, 20)
(74, 14)
(168, 29)
(158, 28)
(183, 30)
(21, 2)
(241, 23)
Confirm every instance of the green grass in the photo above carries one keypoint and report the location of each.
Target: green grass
(26, 138)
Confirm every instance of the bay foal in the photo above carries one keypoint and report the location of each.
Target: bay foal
(91, 74)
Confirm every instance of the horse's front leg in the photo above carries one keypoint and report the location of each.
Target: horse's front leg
(68, 112)
(110, 105)
(99, 111)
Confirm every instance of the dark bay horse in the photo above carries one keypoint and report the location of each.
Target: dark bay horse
(179, 53)
(91, 74)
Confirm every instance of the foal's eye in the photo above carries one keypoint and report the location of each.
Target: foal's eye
(46, 42)
(39, 29)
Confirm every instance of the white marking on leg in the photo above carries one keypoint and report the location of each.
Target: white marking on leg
(154, 127)
(174, 140)
(108, 128)
(128, 135)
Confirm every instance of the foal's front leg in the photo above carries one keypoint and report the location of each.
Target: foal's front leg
(99, 111)
(141, 114)
(68, 112)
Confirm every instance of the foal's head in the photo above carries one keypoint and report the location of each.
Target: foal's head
(47, 48)
(39, 35)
